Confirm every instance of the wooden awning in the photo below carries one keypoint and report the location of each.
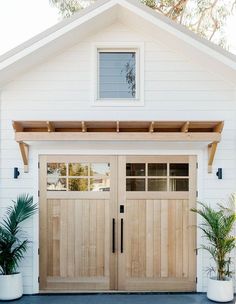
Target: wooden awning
(163, 131)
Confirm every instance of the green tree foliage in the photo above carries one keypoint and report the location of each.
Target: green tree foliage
(12, 244)
(217, 227)
(204, 17)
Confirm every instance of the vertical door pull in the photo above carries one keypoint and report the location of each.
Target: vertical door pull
(121, 235)
(113, 235)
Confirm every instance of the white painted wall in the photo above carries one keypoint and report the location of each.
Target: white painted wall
(60, 89)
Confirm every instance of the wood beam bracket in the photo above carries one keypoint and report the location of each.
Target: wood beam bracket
(24, 149)
(185, 126)
(84, 127)
(117, 126)
(211, 154)
(50, 126)
(151, 127)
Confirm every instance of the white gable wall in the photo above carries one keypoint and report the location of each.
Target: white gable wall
(60, 89)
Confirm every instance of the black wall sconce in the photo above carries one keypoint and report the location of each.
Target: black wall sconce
(219, 173)
(16, 172)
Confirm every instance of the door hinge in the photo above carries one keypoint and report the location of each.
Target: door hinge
(196, 193)
(38, 251)
(38, 193)
(38, 165)
(196, 279)
(38, 279)
(196, 251)
(197, 165)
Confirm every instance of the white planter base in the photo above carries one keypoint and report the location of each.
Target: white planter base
(11, 286)
(220, 291)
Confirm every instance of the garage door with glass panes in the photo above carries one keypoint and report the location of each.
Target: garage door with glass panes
(117, 223)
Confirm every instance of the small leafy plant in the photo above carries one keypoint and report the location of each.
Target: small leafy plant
(12, 247)
(217, 226)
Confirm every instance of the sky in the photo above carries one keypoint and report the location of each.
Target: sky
(23, 19)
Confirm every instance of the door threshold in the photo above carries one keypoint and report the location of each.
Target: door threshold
(107, 292)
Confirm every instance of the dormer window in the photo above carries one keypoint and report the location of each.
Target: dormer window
(118, 76)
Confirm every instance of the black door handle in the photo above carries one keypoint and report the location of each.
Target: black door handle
(113, 235)
(121, 235)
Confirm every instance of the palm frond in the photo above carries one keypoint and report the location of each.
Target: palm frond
(217, 226)
(12, 247)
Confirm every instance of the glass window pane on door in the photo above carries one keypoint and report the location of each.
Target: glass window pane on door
(135, 169)
(56, 169)
(78, 169)
(157, 169)
(179, 184)
(56, 184)
(78, 184)
(179, 169)
(157, 184)
(135, 184)
(99, 184)
(99, 169)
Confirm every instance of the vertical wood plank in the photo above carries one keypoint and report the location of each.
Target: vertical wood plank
(71, 237)
(78, 237)
(157, 238)
(56, 238)
(100, 239)
(64, 239)
(179, 238)
(86, 237)
(128, 243)
(185, 239)
(49, 237)
(92, 239)
(150, 238)
(142, 238)
(171, 238)
(107, 239)
(164, 238)
(135, 239)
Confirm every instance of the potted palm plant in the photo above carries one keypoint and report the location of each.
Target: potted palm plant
(13, 246)
(217, 226)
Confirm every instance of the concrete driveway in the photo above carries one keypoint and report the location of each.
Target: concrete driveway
(189, 298)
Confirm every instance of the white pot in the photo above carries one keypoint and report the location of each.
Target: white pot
(11, 286)
(220, 291)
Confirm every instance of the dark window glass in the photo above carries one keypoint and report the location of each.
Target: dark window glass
(178, 169)
(179, 184)
(157, 169)
(117, 75)
(135, 169)
(157, 184)
(135, 184)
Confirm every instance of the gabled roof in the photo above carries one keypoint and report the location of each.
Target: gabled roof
(103, 13)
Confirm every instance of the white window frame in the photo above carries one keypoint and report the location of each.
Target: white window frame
(119, 102)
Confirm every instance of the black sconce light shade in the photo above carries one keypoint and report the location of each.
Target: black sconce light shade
(16, 172)
(219, 173)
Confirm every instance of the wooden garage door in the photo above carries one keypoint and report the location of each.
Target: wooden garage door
(117, 223)
(157, 233)
(77, 204)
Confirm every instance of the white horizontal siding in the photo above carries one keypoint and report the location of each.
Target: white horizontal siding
(60, 89)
